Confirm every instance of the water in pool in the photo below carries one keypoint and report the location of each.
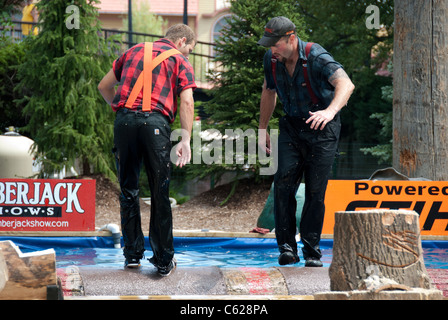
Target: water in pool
(223, 253)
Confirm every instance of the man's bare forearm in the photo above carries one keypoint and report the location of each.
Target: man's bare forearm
(267, 106)
(343, 89)
(186, 113)
(107, 86)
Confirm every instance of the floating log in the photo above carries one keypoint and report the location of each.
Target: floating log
(377, 244)
(26, 276)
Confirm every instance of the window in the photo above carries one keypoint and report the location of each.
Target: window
(221, 4)
(217, 27)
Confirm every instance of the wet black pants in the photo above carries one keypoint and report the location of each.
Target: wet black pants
(307, 153)
(144, 138)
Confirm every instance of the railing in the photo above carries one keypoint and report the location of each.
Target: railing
(201, 58)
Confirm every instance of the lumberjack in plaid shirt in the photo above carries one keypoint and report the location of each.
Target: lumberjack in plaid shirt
(165, 88)
(146, 103)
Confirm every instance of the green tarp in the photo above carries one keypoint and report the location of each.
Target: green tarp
(266, 218)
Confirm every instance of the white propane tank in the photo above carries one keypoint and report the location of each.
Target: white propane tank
(16, 159)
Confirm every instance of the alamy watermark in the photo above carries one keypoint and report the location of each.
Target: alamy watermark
(230, 148)
(72, 21)
(373, 20)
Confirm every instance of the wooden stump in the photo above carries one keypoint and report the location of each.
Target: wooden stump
(377, 248)
(27, 275)
(3, 271)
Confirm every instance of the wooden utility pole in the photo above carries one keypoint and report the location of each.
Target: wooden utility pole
(420, 107)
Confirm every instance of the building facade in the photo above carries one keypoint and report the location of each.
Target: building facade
(205, 17)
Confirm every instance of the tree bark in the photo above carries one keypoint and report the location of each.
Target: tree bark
(380, 246)
(420, 107)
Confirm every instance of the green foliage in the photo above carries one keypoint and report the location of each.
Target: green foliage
(384, 150)
(11, 56)
(68, 118)
(238, 82)
(340, 27)
(366, 100)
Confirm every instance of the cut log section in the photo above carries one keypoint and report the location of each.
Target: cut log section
(26, 276)
(3, 271)
(377, 244)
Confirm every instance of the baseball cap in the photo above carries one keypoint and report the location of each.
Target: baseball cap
(275, 29)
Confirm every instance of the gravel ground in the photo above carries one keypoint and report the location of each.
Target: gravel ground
(239, 214)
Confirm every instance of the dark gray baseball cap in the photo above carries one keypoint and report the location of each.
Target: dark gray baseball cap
(275, 29)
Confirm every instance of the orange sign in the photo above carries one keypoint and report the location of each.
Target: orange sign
(428, 198)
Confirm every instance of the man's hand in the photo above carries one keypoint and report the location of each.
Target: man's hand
(183, 153)
(319, 119)
(264, 141)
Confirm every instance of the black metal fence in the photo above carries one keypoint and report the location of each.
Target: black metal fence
(201, 58)
(352, 163)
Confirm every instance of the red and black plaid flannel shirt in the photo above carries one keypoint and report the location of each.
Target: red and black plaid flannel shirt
(168, 79)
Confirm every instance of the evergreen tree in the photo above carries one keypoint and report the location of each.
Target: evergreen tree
(68, 119)
(11, 56)
(239, 76)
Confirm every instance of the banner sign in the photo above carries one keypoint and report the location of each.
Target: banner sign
(47, 205)
(428, 198)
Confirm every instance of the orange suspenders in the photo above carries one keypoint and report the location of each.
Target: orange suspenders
(146, 76)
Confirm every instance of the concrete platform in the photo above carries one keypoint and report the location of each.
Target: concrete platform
(210, 283)
(213, 282)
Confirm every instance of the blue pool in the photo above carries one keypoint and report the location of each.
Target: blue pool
(191, 252)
